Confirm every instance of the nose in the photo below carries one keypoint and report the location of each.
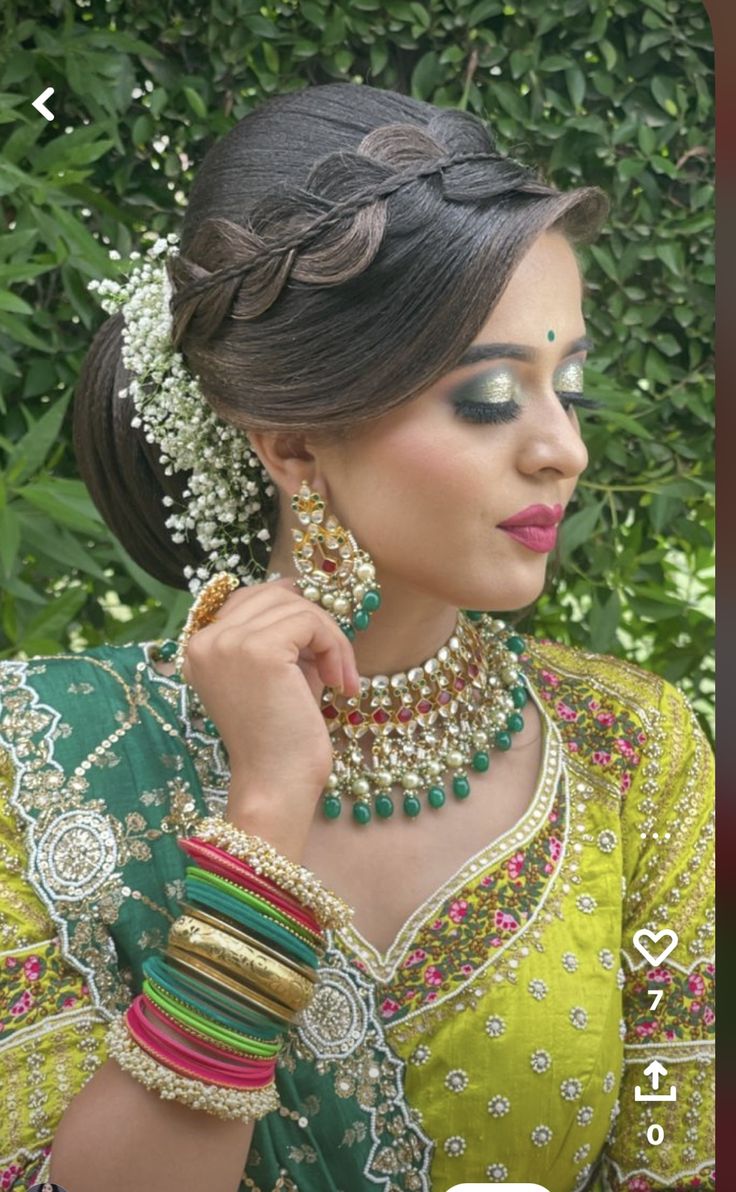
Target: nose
(550, 439)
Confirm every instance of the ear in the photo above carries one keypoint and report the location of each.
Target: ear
(287, 458)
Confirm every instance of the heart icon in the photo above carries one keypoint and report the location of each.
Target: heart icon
(667, 932)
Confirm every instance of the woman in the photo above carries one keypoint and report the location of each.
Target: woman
(383, 318)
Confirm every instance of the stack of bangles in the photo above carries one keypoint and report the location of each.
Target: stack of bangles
(240, 964)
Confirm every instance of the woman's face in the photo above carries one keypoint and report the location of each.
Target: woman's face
(424, 488)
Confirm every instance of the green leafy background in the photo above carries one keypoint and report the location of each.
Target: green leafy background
(616, 94)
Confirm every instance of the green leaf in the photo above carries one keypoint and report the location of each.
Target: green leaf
(555, 62)
(16, 329)
(313, 13)
(157, 101)
(30, 451)
(9, 538)
(486, 8)
(647, 139)
(12, 302)
(668, 345)
(664, 509)
(520, 61)
(399, 9)
(509, 99)
(670, 253)
(271, 57)
(609, 53)
(605, 260)
(578, 527)
(663, 90)
(426, 75)
(575, 80)
(142, 132)
(604, 620)
(13, 179)
(262, 28)
(196, 103)
(343, 60)
(54, 617)
(379, 58)
(421, 16)
(67, 502)
(53, 542)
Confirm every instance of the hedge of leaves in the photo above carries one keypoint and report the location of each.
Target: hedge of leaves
(617, 94)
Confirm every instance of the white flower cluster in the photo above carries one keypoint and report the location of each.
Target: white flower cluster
(223, 500)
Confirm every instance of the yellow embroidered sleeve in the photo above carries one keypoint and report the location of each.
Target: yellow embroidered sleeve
(663, 1137)
(51, 1037)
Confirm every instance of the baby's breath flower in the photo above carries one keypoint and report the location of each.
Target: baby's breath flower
(173, 413)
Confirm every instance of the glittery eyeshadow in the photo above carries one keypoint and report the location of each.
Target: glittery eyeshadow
(569, 377)
(495, 387)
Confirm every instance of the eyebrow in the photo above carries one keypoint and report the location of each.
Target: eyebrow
(478, 352)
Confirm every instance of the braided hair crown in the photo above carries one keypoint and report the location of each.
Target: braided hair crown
(330, 229)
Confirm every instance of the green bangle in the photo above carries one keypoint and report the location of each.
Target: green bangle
(209, 894)
(229, 1012)
(206, 1027)
(252, 899)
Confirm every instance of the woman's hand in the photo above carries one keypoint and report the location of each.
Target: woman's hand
(260, 669)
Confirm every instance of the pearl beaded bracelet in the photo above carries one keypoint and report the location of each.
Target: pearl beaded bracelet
(328, 907)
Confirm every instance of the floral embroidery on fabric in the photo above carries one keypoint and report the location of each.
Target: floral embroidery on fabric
(36, 984)
(605, 734)
(685, 1010)
(704, 1181)
(488, 912)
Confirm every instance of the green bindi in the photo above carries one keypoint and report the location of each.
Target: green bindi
(550, 336)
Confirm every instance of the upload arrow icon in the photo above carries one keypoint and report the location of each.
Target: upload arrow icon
(40, 103)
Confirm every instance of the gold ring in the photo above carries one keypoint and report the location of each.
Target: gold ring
(205, 608)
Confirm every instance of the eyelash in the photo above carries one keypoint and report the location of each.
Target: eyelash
(476, 411)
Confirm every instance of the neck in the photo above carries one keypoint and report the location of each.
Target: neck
(407, 629)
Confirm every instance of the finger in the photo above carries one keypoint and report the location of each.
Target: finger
(283, 635)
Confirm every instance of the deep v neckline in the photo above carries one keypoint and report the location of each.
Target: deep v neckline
(382, 965)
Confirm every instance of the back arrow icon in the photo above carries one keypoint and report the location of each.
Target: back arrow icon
(40, 103)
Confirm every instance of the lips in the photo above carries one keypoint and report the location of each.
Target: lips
(535, 527)
(534, 515)
(538, 538)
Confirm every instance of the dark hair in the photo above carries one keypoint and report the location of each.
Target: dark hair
(295, 315)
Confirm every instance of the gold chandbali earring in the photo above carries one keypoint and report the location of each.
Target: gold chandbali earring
(443, 716)
(333, 570)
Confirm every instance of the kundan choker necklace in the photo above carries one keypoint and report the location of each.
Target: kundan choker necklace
(431, 722)
(429, 725)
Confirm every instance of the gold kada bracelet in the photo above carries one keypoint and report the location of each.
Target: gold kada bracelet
(239, 959)
(329, 909)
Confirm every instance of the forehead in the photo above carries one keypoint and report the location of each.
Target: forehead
(543, 293)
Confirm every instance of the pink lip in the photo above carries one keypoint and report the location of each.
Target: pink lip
(534, 515)
(538, 538)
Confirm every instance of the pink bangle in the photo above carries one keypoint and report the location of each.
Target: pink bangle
(205, 852)
(248, 1075)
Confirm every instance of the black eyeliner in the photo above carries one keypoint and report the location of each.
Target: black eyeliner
(495, 412)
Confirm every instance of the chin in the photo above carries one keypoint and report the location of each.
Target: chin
(511, 600)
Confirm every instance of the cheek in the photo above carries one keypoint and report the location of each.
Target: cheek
(425, 468)
(419, 484)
